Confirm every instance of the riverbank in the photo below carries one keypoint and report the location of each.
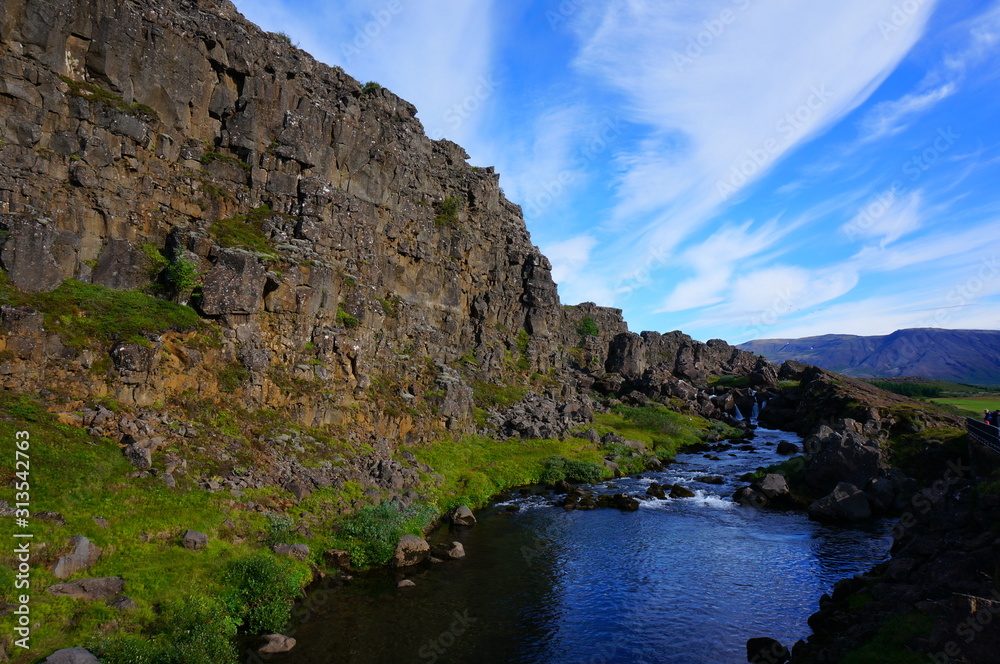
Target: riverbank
(139, 521)
(677, 580)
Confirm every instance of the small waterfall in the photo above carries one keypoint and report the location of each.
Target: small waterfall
(738, 415)
(755, 413)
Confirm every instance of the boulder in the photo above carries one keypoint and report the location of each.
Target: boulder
(193, 540)
(296, 551)
(84, 555)
(463, 516)
(656, 491)
(138, 456)
(411, 550)
(773, 486)
(624, 502)
(787, 448)
(123, 603)
(765, 650)
(710, 479)
(105, 588)
(406, 583)
(845, 503)
(337, 558)
(678, 491)
(276, 643)
(299, 489)
(841, 457)
(235, 285)
(450, 551)
(747, 497)
(71, 656)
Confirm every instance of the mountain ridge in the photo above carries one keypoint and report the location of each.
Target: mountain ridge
(961, 356)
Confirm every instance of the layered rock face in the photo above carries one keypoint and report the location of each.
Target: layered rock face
(355, 272)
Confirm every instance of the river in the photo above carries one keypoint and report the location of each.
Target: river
(683, 581)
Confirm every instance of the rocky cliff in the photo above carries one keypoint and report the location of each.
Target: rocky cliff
(347, 271)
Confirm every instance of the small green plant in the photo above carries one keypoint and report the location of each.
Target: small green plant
(587, 328)
(447, 211)
(262, 591)
(183, 275)
(371, 534)
(279, 528)
(194, 630)
(155, 261)
(371, 87)
(522, 340)
(560, 468)
(284, 36)
(345, 319)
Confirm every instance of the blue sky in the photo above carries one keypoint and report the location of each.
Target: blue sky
(735, 169)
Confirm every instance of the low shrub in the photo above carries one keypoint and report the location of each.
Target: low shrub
(262, 590)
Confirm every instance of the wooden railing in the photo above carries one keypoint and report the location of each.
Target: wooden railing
(984, 434)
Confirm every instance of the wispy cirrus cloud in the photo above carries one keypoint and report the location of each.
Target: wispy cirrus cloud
(890, 118)
(718, 116)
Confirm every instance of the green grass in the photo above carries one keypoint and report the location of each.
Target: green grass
(492, 395)
(345, 319)
(728, 381)
(370, 535)
(84, 314)
(666, 432)
(245, 231)
(971, 406)
(82, 477)
(889, 646)
(476, 468)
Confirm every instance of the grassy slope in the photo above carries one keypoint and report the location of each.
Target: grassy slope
(81, 477)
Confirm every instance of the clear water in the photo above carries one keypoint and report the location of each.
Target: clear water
(683, 581)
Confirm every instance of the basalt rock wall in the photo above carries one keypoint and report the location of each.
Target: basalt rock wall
(353, 268)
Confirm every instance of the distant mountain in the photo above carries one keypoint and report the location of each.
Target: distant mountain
(960, 356)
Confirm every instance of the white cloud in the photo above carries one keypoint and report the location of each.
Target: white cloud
(725, 96)
(886, 217)
(893, 117)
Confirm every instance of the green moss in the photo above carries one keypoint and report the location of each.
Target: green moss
(891, 645)
(728, 381)
(157, 262)
(232, 376)
(345, 319)
(390, 305)
(87, 314)
(144, 521)
(209, 157)
(93, 92)
(370, 87)
(245, 231)
(522, 340)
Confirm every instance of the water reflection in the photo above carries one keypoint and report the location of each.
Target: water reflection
(676, 582)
